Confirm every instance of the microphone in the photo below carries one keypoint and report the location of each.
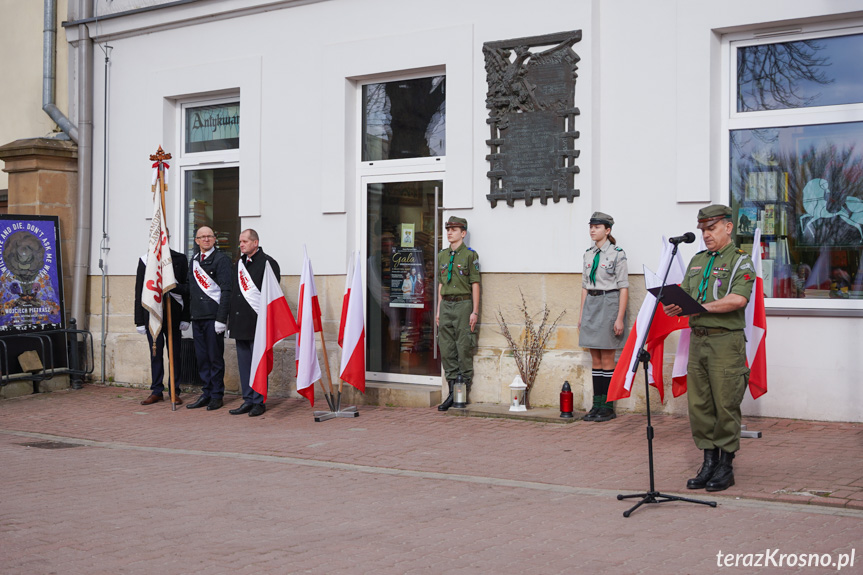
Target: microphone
(686, 238)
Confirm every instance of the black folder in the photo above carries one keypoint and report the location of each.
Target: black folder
(674, 295)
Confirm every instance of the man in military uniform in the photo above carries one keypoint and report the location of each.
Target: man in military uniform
(210, 296)
(458, 306)
(720, 278)
(245, 302)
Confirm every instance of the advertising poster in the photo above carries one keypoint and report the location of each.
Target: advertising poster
(407, 288)
(31, 293)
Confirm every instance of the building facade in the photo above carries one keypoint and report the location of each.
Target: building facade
(349, 125)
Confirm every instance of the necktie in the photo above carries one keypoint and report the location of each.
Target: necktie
(702, 287)
(449, 267)
(593, 269)
(202, 257)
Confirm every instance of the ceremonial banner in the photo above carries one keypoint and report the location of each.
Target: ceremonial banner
(31, 290)
(159, 275)
(352, 333)
(275, 323)
(309, 319)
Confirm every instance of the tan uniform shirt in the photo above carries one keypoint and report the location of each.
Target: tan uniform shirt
(612, 272)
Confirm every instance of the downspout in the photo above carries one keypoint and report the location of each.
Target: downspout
(49, 68)
(85, 167)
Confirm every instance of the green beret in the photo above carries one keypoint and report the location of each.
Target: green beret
(600, 218)
(454, 222)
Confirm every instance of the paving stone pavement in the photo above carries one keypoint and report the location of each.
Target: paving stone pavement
(94, 483)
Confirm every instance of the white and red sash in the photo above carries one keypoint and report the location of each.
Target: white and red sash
(247, 287)
(205, 282)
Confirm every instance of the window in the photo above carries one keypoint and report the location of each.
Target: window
(211, 195)
(404, 119)
(796, 161)
(214, 127)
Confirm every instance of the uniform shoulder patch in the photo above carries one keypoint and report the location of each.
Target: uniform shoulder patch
(588, 249)
(739, 251)
(617, 249)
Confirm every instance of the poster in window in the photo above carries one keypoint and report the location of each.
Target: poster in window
(407, 235)
(746, 219)
(407, 284)
(31, 292)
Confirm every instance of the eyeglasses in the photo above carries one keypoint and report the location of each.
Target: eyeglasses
(205, 237)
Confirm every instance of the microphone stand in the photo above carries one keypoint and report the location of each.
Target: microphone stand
(653, 496)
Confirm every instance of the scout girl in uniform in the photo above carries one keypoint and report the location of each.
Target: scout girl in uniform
(602, 324)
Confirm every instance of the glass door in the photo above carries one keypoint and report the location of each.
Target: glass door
(403, 237)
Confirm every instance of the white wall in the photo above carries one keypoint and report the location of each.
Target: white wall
(650, 141)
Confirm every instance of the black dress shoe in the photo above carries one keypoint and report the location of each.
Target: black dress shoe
(215, 403)
(245, 408)
(604, 414)
(257, 409)
(200, 402)
(591, 415)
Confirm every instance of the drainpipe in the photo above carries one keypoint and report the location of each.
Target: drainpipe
(85, 167)
(84, 139)
(49, 67)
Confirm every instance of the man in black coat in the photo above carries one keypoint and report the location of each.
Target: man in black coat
(179, 321)
(209, 298)
(245, 302)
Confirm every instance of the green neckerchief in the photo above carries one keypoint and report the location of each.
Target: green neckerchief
(595, 266)
(702, 287)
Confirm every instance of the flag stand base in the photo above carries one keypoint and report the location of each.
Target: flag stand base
(652, 495)
(346, 412)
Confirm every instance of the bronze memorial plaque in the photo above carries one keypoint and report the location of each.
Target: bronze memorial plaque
(531, 103)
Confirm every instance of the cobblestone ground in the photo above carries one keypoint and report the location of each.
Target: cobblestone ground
(94, 483)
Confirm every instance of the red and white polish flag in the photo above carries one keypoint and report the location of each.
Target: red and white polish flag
(275, 323)
(756, 328)
(352, 333)
(309, 319)
(621, 381)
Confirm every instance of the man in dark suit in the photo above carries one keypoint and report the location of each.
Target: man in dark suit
(245, 302)
(178, 298)
(210, 296)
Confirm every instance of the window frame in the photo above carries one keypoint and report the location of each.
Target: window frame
(731, 120)
(208, 160)
(214, 155)
(385, 166)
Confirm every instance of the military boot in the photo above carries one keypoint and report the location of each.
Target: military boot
(723, 477)
(447, 403)
(711, 458)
